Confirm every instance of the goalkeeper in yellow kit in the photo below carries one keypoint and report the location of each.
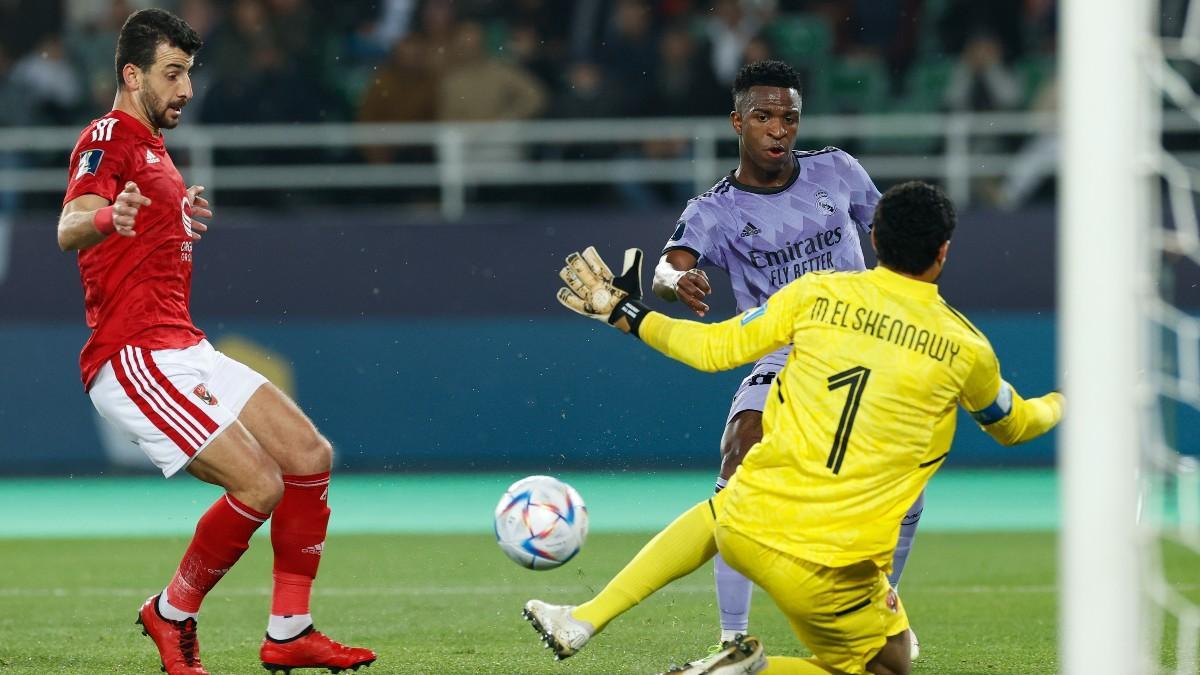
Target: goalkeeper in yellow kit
(857, 422)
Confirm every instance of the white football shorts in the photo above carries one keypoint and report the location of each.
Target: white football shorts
(172, 402)
(751, 394)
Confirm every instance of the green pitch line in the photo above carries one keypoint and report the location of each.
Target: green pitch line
(463, 503)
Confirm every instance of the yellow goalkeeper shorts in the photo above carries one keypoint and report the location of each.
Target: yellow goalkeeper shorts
(843, 614)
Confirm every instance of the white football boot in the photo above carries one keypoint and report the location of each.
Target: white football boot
(743, 656)
(559, 630)
(916, 646)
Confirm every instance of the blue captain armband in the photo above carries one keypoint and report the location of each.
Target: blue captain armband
(999, 409)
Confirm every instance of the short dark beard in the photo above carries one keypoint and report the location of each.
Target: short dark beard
(155, 111)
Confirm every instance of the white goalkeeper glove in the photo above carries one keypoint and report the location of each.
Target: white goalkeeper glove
(593, 291)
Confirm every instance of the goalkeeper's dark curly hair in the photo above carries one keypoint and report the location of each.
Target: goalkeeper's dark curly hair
(764, 74)
(912, 221)
(144, 30)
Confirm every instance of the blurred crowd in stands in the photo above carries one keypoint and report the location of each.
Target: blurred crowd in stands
(428, 60)
(287, 61)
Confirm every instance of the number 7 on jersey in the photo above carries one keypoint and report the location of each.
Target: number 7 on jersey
(856, 379)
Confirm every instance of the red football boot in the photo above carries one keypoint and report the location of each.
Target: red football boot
(312, 649)
(176, 640)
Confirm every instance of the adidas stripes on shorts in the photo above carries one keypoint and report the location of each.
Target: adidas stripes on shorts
(172, 402)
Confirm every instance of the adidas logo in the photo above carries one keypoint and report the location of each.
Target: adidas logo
(150, 158)
(750, 230)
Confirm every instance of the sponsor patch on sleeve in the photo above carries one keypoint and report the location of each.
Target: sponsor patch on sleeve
(752, 314)
(89, 162)
(679, 228)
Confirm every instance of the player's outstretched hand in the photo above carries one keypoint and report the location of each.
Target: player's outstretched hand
(125, 209)
(691, 287)
(593, 291)
(200, 209)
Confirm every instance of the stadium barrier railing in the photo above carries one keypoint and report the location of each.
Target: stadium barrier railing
(948, 149)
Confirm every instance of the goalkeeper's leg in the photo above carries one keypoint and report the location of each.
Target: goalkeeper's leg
(849, 617)
(681, 548)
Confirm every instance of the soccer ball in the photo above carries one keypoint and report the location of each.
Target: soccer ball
(541, 522)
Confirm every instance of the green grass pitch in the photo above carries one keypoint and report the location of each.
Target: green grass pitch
(980, 586)
(981, 603)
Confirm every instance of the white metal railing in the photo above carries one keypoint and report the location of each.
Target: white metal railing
(493, 153)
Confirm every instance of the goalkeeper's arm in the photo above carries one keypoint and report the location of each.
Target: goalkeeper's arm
(593, 292)
(721, 346)
(1001, 411)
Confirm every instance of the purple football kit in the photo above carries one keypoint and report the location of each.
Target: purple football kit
(765, 238)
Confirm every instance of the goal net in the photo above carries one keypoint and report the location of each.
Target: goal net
(1170, 515)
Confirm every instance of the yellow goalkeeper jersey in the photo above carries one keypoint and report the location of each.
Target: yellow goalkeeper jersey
(863, 413)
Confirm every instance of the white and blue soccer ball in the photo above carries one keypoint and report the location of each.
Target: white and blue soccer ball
(541, 522)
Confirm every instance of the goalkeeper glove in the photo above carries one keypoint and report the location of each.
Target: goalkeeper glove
(593, 291)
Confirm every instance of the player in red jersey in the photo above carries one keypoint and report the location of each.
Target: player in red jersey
(150, 372)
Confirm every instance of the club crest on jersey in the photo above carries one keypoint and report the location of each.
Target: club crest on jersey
(824, 202)
(679, 228)
(203, 394)
(89, 162)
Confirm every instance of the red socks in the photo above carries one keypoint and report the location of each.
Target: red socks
(298, 528)
(222, 536)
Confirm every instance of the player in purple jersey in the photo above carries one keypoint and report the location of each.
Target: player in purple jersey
(781, 214)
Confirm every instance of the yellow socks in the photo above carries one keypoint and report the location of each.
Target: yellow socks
(683, 546)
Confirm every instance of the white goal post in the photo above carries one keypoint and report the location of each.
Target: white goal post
(1106, 111)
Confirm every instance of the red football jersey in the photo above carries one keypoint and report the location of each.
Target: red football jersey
(136, 289)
